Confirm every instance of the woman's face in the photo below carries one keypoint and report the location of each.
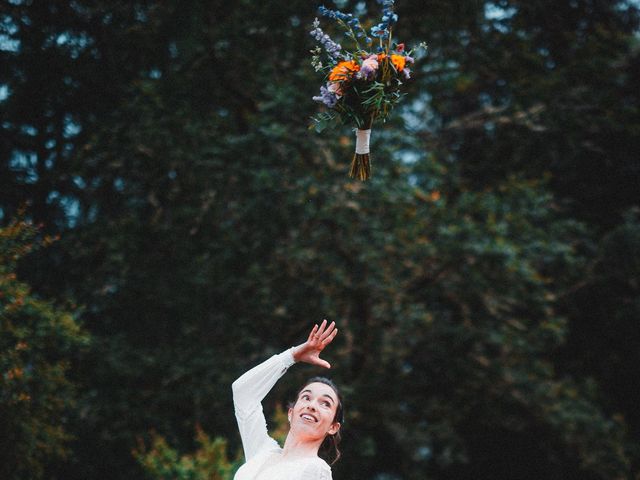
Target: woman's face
(313, 414)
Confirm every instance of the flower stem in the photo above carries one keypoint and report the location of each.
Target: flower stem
(351, 33)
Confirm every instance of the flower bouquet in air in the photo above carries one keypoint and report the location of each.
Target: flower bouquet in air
(362, 84)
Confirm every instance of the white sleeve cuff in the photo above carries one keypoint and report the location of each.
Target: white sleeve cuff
(286, 358)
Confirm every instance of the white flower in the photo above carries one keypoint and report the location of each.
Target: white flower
(371, 63)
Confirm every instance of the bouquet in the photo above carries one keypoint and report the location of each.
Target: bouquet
(362, 84)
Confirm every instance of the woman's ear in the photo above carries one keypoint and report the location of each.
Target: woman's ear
(335, 426)
(290, 414)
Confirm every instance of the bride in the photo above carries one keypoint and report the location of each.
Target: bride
(314, 418)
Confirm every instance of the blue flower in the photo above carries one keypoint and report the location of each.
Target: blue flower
(388, 17)
(335, 14)
(380, 30)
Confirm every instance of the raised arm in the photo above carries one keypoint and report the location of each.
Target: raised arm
(248, 392)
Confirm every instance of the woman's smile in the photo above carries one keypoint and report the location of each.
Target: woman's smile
(308, 417)
(315, 409)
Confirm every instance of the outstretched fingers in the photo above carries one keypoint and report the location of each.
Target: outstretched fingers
(326, 341)
(323, 335)
(319, 337)
(321, 330)
(313, 333)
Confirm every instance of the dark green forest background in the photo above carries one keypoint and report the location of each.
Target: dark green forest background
(168, 220)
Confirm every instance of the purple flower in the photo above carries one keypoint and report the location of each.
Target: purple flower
(331, 47)
(328, 98)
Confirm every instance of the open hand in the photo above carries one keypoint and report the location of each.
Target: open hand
(319, 338)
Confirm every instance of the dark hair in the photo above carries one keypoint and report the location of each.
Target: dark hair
(329, 447)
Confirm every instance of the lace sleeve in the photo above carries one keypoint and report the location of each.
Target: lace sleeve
(248, 392)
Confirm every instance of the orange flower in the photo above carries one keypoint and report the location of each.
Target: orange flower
(343, 71)
(398, 62)
(381, 56)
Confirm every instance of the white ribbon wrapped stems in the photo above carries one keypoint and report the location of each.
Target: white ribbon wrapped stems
(362, 141)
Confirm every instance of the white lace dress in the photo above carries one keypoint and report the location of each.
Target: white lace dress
(263, 455)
